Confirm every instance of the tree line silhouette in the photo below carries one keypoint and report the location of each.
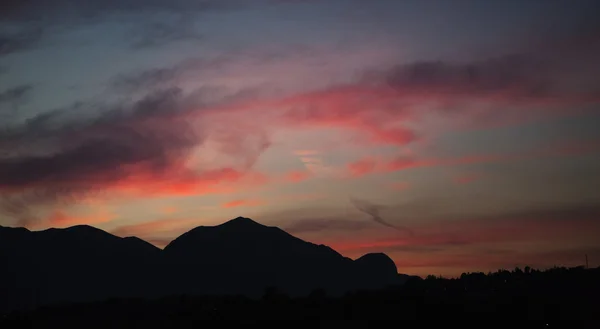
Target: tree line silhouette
(522, 298)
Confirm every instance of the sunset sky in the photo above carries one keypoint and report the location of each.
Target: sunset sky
(452, 135)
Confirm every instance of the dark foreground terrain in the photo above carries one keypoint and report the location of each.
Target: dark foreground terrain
(82, 264)
(556, 298)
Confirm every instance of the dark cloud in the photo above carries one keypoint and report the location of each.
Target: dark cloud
(10, 100)
(518, 73)
(42, 16)
(14, 94)
(557, 67)
(161, 33)
(19, 40)
(103, 155)
(161, 77)
(51, 159)
(40, 10)
(39, 17)
(54, 124)
(100, 147)
(324, 224)
(374, 211)
(144, 80)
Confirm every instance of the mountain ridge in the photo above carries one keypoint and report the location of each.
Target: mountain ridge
(239, 256)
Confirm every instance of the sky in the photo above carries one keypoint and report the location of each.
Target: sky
(455, 136)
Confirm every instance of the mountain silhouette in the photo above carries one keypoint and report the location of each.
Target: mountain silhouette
(238, 257)
(79, 263)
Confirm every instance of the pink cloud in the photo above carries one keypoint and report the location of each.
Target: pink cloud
(144, 151)
(561, 225)
(297, 176)
(158, 232)
(242, 203)
(362, 166)
(60, 219)
(370, 165)
(384, 108)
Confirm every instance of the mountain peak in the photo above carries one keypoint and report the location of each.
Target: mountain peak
(83, 228)
(236, 229)
(74, 228)
(379, 261)
(241, 221)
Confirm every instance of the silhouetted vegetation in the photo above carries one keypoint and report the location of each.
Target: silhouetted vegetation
(528, 298)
